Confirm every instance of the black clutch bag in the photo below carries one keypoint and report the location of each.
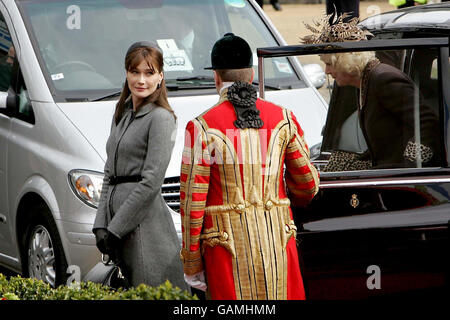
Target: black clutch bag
(107, 273)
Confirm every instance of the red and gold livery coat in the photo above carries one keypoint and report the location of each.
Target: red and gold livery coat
(236, 219)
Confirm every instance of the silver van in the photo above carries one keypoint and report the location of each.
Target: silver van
(61, 72)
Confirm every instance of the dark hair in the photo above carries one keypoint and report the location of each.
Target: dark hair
(154, 59)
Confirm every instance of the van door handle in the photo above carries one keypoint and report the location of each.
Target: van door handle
(2, 219)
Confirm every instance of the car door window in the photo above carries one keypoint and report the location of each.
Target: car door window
(7, 55)
(384, 110)
(9, 71)
(390, 119)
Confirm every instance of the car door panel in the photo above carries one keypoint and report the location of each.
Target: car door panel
(380, 232)
(5, 236)
(6, 247)
(399, 229)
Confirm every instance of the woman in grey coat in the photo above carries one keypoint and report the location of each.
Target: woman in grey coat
(133, 224)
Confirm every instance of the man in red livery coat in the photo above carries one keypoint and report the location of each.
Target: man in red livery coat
(237, 223)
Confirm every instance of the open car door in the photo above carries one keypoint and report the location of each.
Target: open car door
(382, 229)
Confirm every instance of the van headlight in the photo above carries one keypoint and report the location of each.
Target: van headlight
(87, 185)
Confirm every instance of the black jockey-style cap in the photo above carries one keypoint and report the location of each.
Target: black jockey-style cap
(231, 52)
(142, 44)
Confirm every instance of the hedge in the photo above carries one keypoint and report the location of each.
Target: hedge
(18, 288)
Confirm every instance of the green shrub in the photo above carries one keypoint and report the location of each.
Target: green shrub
(24, 288)
(18, 288)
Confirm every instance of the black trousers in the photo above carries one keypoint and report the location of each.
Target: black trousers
(261, 2)
(348, 6)
(409, 3)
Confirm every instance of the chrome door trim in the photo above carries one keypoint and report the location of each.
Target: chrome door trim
(383, 182)
(9, 257)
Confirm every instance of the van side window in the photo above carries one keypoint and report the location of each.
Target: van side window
(391, 120)
(7, 55)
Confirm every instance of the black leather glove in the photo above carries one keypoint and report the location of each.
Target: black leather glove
(111, 244)
(100, 237)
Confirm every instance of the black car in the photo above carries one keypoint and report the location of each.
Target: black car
(382, 231)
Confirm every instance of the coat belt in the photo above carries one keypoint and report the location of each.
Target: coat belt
(123, 179)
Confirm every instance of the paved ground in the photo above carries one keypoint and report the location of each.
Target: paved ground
(289, 23)
(290, 20)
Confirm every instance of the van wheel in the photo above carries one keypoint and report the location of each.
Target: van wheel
(45, 258)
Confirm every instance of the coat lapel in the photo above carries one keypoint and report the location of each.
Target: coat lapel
(365, 81)
(129, 116)
(126, 120)
(364, 88)
(123, 124)
(144, 110)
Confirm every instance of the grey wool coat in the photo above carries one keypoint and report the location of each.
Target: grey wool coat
(141, 144)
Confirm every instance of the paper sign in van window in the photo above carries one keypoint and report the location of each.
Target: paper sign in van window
(57, 76)
(167, 44)
(174, 58)
(235, 3)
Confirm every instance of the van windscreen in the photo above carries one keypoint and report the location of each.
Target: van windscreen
(81, 44)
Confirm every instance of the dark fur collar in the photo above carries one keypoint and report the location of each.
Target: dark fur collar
(365, 80)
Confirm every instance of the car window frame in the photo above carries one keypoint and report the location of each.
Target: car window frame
(12, 95)
(444, 95)
(373, 45)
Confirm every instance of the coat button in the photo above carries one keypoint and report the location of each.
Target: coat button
(240, 208)
(288, 228)
(224, 236)
(269, 205)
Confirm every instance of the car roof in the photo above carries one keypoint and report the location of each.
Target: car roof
(432, 17)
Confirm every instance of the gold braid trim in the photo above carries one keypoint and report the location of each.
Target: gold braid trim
(218, 238)
(192, 261)
(240, 207)
(291, 233)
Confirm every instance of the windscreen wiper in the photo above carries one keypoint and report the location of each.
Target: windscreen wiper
(266, 86)
(195, 78)
(111, 95)
(191, 82)
(210, 83)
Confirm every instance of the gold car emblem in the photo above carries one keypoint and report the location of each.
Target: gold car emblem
(354, 202)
